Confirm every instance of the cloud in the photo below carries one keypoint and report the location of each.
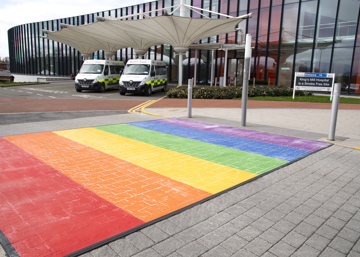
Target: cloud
(17, 12)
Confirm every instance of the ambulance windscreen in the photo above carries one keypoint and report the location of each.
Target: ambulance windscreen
(91, 69)
(136, 69)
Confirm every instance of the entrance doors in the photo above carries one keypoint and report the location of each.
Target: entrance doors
(235, 71)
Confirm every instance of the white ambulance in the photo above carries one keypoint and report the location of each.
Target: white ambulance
(143, 76)
(99, 75)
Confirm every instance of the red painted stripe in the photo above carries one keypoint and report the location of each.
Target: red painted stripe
(138, 191)
(44, 213)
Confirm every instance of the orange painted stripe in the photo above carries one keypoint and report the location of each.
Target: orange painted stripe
(143, 193)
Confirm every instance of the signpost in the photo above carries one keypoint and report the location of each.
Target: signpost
(314, 82)
(321, 82)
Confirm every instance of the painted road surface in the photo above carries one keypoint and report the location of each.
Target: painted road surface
(65, 190)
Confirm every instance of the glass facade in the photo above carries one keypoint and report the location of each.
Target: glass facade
(287, 35)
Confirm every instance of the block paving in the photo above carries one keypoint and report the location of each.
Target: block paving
(309, 208)
(131, 174)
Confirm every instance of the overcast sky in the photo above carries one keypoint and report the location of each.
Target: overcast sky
(17, 12)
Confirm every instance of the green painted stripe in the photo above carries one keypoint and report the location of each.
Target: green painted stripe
(245, 161)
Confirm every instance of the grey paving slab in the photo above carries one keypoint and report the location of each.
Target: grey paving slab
(148, 253)
(306, 250)
(54, 125)
(294, 239)
(168, 246)
(104, 251)
(155, 233)
(193, 249)
(140, 241)
(234, 244)
(272, 235)
(29, 117)
(282, 249)
(123, 248)
(258, 246)
(218, 251)
(318, 242)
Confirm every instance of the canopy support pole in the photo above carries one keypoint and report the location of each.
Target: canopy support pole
(225, 68)
(182, 14)
(212, 68)
(180, 69)
(195, 68)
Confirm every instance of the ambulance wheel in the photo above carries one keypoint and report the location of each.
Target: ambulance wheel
(164, 88)
(78, 90)
(102, 88)
(122, 93)
(148, 91)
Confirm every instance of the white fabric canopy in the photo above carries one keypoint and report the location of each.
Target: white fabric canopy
(111, 35)
(180, 32)
(84, 44)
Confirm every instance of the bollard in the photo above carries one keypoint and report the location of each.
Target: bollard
(189, 97)
(245, 79)
(334, 111)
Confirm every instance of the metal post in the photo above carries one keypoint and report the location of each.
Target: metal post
(182, 8)
(334, 111)
(189, 97)
(180, 69)
(212, 67)
(225, 68)
(195, 67)
(245, 79)
(182, 14)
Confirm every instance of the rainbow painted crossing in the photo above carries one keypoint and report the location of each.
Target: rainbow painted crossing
(113, 178)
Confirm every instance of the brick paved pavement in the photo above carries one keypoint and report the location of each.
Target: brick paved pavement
(309, 208)
(18, 105)
(146, 169)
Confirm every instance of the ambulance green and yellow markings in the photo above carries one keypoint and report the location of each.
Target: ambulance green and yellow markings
(250, 162)
(201, 174)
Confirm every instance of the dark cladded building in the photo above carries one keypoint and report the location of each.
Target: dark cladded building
(320, 36)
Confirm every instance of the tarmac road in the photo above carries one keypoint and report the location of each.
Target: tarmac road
(66, 90)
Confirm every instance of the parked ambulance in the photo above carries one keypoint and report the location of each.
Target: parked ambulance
(99, 75)
(143, 76)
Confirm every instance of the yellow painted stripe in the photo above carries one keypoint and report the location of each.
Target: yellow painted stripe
(198, 173)
(148, 104)
(138, 107)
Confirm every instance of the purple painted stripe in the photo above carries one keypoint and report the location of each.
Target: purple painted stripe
(293, 142)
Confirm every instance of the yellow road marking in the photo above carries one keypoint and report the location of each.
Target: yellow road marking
(138, 107)
(150, 113)
(141, 107)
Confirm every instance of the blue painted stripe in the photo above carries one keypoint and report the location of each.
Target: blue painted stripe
(242, 144)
